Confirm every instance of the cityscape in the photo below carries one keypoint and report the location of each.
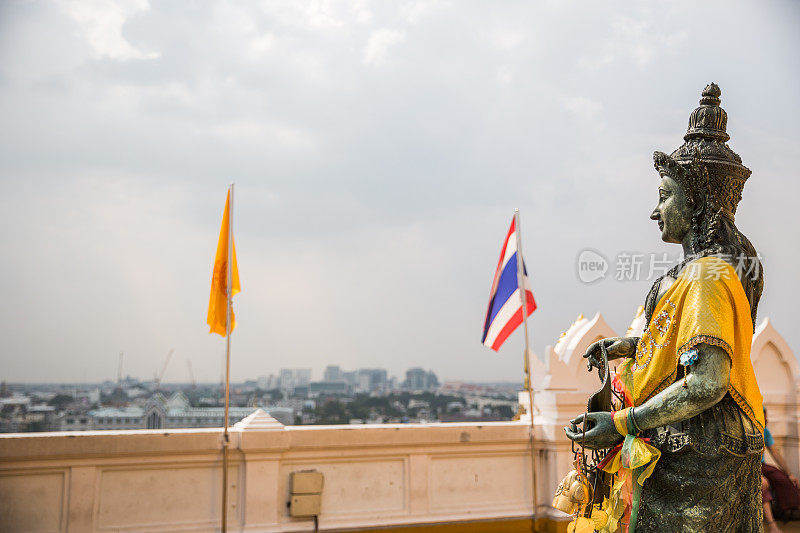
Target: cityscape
(291, 396)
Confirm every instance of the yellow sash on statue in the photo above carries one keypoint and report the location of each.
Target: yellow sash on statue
(706, 304)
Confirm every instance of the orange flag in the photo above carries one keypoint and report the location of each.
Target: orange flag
(219, 279)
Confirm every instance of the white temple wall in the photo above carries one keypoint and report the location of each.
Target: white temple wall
(778, 376)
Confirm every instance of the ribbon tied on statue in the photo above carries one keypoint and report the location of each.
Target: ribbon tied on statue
(633, 462)
(634, 452)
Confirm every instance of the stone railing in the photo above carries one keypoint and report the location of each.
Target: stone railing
(374, 476)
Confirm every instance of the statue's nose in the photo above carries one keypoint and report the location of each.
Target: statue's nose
(655, 215)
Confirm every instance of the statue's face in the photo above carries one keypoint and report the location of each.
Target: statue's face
(673, 212)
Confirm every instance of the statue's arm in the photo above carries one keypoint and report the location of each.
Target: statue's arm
(707, 382)
(616, 347)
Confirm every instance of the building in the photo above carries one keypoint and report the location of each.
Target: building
(371, 380)
(363, 380)
(161, 413)
(326, 387)
(333, 374)
(290, 378)
(17, 413)
(350, 378)
(419, 379)
(267, 382)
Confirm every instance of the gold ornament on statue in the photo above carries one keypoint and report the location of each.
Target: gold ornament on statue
(573, 493)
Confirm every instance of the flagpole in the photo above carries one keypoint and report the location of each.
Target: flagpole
(528, 383)
(229, 295)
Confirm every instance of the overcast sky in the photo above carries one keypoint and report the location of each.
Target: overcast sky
(378, 151)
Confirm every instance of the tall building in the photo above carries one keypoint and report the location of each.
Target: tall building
(420, 379)
(285, 378)
(333, 374)
(415, 378)
(350, 378)
(371, 380)
(291, 378)
(303, 377)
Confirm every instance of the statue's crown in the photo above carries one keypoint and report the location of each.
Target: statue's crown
(707, 137)
(709, 121)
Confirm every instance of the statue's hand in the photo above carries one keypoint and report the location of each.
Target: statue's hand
(615, 346)
(600, 431)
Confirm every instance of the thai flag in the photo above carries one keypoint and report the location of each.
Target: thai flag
(505, 305)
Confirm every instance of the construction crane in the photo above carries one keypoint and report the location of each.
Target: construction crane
(191, 374)
(163, 369)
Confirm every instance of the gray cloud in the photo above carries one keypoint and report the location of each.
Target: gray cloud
(378, 151)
